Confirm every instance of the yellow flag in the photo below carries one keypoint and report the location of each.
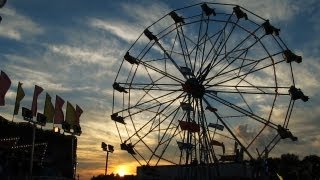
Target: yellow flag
(19, 97)
(70, 115)
(48, 109)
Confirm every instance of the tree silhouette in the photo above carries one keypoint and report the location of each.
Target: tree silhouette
(312, 163)
(289, 166)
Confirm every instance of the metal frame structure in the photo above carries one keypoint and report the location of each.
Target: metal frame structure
(209, 63)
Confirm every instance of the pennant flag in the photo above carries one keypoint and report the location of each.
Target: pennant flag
(217, 143)
(48, 109)
(216, 126)
(5, 84)
(189, 126)
(186, 146)
(79, 111)
(70, 114)
(58, 113)
(36, 93)
(19, 97)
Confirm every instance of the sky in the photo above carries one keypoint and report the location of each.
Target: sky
(75, 48)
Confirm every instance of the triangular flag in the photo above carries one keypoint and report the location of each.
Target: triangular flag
(79, 111)
(58, 113)
(5, 84)
(70, 115)
(189, 126)
(36, 93)
(48, 109)
(19, 97)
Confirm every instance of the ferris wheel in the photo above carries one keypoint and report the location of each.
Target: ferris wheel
(205, 83)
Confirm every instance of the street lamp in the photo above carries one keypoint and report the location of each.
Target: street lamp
(108, 148)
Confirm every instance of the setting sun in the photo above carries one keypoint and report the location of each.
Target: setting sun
(122, 170)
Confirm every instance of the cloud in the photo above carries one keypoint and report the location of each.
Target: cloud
(126, 31)
(17, 26)
(141, 16)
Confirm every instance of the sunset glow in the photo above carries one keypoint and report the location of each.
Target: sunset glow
(122, 170)
(77, 51)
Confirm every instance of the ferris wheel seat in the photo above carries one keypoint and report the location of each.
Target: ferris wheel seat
(149, 35)
(128, 148)
(207, 10)
(119, 88)
(289, 56)
(130, 59)
(239, 13)
(285, 133)
(177, 19)
(297, 94)
(269, 29)
(117, 118)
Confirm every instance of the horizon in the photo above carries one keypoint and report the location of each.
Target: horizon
(74, 50)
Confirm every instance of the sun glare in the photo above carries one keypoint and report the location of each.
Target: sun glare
(122, 171)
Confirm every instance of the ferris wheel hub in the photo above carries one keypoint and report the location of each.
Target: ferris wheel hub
(194, 87)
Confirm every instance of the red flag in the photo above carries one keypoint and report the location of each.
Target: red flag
(79, 111)
(36, 93)
(5, 84)
(189, 126)
(58, 113)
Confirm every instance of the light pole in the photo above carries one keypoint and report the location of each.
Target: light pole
(108, 148)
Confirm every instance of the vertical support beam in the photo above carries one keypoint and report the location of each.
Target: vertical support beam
(227, 127)
(233, 135)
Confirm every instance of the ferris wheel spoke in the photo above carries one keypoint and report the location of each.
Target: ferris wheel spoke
(251, 71)
(161, 141)
(207, 138)
(223, 42)
(198, 42)
(184, 47)
(255, 63)
(244, 92)
(162, 72)
(147, 91)
(223, 135)
(151, 107)
(221, 60)
(159, 88)
(139, 103)
(168, 141)
(242, 111)
(168, 105)
(229, 130)
(236, 48)
(244, 100)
